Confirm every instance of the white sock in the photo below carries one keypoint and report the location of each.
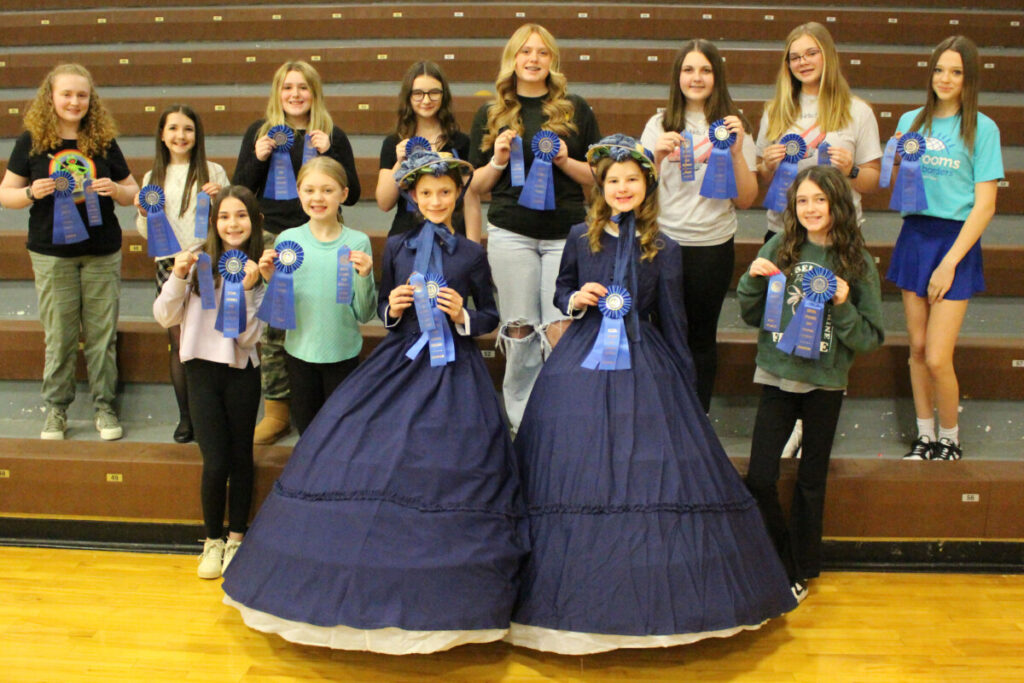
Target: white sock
(926, 428)
(953, 434)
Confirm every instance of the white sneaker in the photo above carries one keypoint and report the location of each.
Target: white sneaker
(212, 558)
(230, 548)
(799, 589)
(792, 447)
(56, 424)
(107, 425)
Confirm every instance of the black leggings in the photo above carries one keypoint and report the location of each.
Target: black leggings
(312, 384)
(707, 272)
(799, 541)
(223, 402)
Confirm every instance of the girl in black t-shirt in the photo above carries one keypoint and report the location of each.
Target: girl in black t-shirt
(78, 278)
(424, 110)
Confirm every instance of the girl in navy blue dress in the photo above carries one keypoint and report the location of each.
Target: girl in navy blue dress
(642, 533)
(395, 526)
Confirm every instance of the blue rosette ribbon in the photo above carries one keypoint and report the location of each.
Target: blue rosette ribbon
(611, 348)
(908, 193)
(68, 227)
(796, 149)
(92, 204)
(539, 190)
(278, 307)
(343, 286)
(417, 143)
(803, 334)
(687, 164)
(231, 317)
(161, 241)
(202, 215)
(719, 178)
(207, 290)
(309, 151)
(435, 334)
(517, 163)
(281, 178)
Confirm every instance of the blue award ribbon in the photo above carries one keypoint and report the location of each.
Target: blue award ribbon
(539, 191)
(773, 302)
(908, 194)
(202, 215)
(309, 151)
(823, 158)
(719, 178)
(92, 204)
(417, 143)
(344, 280)
(231, 318)
(517, 165)
(207, 290)
(803, 334)
(796, 148)
(611, 348)
(686, 162)
(68, 227)
(435, 334)
(161, 241)
(281, 178)
(888, 159)
(278, 307)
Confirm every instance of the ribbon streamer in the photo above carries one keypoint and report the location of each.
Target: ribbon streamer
(686, 161)
(803, 334)
(435, 334)
(517, 165)
(281, 178)
(719, 178)
(202, 215)
(823, 157)
(774, 301)
(344, 279)
(92, 204)
(611, 348)
(68, 227)
(231, 317)
(207, 290)
(161, 241)
(539, 191)
(908, 194)
(888, 159)
(309, 150)
(278, 307)
(796, 149)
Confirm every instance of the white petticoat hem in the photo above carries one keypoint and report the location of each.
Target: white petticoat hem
(580, 643)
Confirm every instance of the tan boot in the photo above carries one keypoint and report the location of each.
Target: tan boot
(276, 423)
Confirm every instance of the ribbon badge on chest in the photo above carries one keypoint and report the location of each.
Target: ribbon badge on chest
(539, 190)
(281, 179)
(719, 178)
(803, 334)
(908, 194)
(278, 307)
(435, 334)
(161, 241)
(785, 174)
(231, 317)
(68, 227)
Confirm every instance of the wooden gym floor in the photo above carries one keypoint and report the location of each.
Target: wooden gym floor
(70, 615)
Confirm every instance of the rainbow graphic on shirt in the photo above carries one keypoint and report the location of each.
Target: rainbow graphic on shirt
(78, 165)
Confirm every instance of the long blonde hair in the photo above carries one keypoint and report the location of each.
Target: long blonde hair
(319, 118)
(96, 130)
(599, 214)
(968, 52)
(505, 110)
(834, 96)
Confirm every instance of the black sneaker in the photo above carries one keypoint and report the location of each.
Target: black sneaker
(799, 589)
(945, 449)
(921, 449)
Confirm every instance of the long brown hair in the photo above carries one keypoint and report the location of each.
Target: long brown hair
(198, 172)
(834, 94)
(968, 52)
(599, 214)
(96, 130)
(719, 103)
(406, 125)
(847, 248)
(215, 246)
(505, 110)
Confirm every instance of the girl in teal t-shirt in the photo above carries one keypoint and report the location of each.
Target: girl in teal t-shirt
(937, 257)
(324, 346)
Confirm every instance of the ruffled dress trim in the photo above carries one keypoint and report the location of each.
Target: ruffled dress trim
(579, 643)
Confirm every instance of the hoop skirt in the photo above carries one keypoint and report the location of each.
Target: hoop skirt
(395, 526)
(642, 533)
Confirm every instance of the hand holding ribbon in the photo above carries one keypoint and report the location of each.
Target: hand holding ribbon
(795, 150)
(280, 182)
(231, 316)
(719, 178)
(161, 241)
(435, 334)
(803, 334)
(611, 348)
(908, 195)
(539, 190)
(278, 307)
(68, 227)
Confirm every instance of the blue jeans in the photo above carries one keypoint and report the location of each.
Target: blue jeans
(524, 271)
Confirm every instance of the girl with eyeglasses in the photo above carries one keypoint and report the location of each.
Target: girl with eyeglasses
(424, 110)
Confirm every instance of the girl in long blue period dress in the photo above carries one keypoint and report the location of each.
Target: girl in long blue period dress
(937, 257)
(642, 533)
(395, 525)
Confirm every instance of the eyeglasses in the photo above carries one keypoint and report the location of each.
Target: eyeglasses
(808, 56)
(432, 95)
